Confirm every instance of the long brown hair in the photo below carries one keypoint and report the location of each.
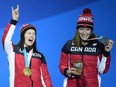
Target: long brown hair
(77, 40)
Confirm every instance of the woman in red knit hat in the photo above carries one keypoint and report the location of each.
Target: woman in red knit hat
(27, 66)
(84, 57)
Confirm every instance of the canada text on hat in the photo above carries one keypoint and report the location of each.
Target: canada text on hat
(85, 19)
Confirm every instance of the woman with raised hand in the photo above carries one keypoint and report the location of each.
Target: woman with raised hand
(27, 66)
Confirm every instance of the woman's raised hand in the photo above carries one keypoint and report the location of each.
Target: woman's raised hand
(15, 13)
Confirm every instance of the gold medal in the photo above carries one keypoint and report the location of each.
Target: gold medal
(27, 71)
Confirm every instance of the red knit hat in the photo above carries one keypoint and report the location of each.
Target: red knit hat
(26, 27)
(85, 19)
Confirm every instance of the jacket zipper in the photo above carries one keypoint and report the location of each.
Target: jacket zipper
(83, 58)
(83, 63)
(31, 75)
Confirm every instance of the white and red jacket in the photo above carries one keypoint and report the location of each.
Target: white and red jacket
(95, 59)
(40, 76)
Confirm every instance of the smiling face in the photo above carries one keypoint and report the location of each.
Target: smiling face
(84, 33)
(29, 37)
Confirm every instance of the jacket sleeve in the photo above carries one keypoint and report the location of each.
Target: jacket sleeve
(7, 37)
(104, 62)
(45, 76)
(63, 64)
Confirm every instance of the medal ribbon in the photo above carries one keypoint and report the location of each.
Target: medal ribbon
(26, 58)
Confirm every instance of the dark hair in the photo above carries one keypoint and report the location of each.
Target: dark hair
(77, 40)
(21, 44)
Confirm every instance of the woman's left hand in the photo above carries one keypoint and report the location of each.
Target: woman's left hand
(109, 46)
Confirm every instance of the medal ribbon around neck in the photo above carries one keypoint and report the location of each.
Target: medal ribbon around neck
(26, 58)
(27, 70)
